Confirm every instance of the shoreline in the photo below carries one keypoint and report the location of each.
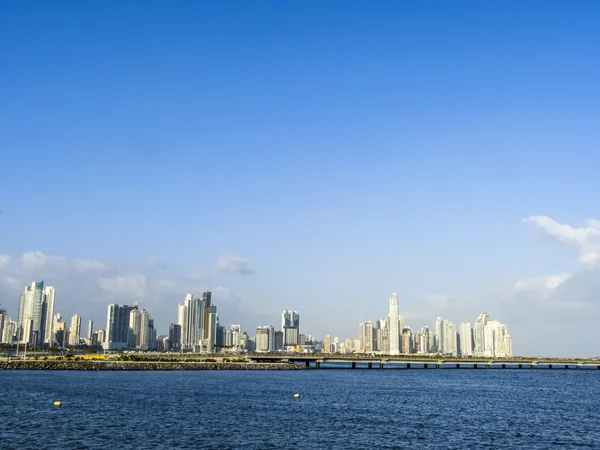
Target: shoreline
(143, 365)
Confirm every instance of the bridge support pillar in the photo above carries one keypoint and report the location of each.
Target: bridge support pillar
(353, 365)
(307, 364)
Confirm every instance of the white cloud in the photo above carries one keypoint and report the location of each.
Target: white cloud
(235, 264)
(542, 284)
(125, 288)
(87, 286)
(587, 239)
(33, 260)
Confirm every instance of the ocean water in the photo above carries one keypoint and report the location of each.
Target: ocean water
(338, 409)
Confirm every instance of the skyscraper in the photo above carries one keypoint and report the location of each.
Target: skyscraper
(198, 320)
(133, 339)
(394, 332)
(209, 323)
(144, 330)
(479, 333)
(439, 334)
(327, 344)
(75, 330)
(466, 339)
(29, 321)
(262, 338)
(425, 339)
(450, 345)
(174, 337)
(366, 337)
(407, 338)
(236, 336)
(182, 321)
(117, 327)
(90, 330)
(49, 294)
(210, 332)
(3, 323)
(290, 325)
(101, 337)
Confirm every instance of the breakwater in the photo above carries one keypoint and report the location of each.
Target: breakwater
(144, 365)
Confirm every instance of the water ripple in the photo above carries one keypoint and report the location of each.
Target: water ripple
(338, 410)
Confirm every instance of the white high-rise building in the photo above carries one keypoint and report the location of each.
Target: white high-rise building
(101, 336)
(366, 337)
(479, 334)
(75, 330)
(49, 294)
(134, 327)
(394, 324)
(488, 336)
(500, 332)
(508, 346)
(449, 338)
(9, 330)
(236, 336)
(439, 334)
(90, 330)
(144, 330)
(182, 320)
(466, 339)
(262, 338)
(425, 340)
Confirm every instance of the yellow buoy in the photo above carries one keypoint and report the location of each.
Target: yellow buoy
(296, 395)
(57, 403)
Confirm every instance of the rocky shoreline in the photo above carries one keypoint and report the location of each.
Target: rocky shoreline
(143, 365)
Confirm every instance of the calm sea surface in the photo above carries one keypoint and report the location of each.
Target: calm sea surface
(341, 409)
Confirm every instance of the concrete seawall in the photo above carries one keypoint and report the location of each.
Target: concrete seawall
(145, 365)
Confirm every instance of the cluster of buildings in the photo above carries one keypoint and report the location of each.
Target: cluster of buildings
(198, 330)
(390, 336)
(37, 325)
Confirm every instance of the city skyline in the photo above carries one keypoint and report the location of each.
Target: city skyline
(447, 153)
(199, 330)
(69, 326)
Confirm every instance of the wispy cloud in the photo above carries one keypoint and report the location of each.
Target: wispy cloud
(87, 286)
(236, 265)
(586, 239)
(546, 283)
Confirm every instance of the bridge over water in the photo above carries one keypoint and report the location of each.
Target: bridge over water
(401, 362)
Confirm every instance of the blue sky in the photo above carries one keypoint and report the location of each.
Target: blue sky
(346, 150)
